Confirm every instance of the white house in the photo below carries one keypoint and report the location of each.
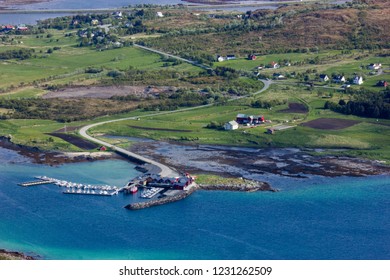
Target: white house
(220, 58)
(375, 66)
(324, 78)
(358, 80)
(159, 14)
(274, 65)
(339, 79)
(232, 125)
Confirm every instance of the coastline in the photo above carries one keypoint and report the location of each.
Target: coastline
(53, 158)
(9, 255)
(9, 4)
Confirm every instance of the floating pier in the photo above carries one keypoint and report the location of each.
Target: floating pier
(40, 181)
(75, 188)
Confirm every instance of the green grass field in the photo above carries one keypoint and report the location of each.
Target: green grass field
(71, 61)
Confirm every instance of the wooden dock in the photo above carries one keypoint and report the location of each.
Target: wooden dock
(36, 183)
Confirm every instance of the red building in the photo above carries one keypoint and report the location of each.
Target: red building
(246, 119)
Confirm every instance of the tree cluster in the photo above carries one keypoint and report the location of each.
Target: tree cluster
(364, 104)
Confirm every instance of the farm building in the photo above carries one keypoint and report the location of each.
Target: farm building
(246, 119)
(232, 125)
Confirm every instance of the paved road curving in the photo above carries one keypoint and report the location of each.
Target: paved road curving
(165, 170)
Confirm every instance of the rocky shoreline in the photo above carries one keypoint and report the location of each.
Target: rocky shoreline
(246, 186)
(7, 255)
(51, 157)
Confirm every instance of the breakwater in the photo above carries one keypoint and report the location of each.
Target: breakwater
(161, 201)
(246, 186)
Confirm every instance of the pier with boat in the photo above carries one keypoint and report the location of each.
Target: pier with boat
(148, 189)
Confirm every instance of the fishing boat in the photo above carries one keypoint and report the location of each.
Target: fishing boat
(133, 189)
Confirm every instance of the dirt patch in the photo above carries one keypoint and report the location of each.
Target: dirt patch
(295, 108)
(75, 140)
(159, 129)
(108, 92)
(330, 124)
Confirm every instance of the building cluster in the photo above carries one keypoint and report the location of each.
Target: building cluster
(245, 120)
(9, 27)
(177, 183)
(221, 58)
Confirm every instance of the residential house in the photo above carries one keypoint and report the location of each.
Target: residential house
(230, 57)
(274, 65)
(159, 14)
(8, 27)
(382, 84)
(94, 22)
(338, 79)
(252, 57)
(278, 76)
(358, 80)
(375, 66)
(22, 27)
(324, 78)
(220, 58)
(232, 125)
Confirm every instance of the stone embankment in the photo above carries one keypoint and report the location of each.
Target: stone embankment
(246, 186)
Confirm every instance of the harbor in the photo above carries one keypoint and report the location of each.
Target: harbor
(148, 189)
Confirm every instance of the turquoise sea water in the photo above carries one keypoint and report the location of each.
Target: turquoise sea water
(316, 218)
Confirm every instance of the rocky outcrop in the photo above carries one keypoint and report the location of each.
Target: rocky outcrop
(6, 255)
(246, 186)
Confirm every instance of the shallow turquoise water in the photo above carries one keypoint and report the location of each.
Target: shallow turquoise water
(316, 218)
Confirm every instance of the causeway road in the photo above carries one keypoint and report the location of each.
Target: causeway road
(165, 170)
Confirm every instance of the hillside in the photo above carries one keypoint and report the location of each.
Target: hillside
(350, 26)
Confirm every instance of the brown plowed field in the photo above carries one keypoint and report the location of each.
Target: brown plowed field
(330, 123)
(295, 108)
(75, 140)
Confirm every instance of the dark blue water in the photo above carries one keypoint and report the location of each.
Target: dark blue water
(317, 218)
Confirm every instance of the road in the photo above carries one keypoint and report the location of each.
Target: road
(165, 170)
(174, 56)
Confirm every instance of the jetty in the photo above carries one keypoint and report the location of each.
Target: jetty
(40, 181)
